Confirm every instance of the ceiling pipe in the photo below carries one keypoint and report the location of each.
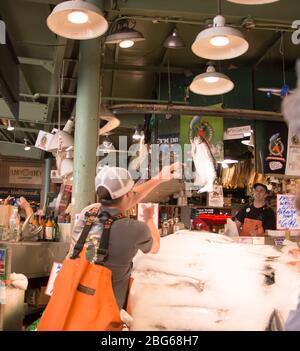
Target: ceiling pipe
(106, 98)
(286, 27)
(196, 110)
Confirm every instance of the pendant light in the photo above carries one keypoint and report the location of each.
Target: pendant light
(252, 2)
(77, 19)
(10, 127)
(211, 83)
(26, 145)
(125, 35)
(220, 42)
(174, 41)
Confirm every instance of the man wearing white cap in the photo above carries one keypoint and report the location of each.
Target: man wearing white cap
(117, 193)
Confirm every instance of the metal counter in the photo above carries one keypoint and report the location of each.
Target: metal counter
(35, 259)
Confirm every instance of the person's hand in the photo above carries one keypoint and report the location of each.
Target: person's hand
(169, 172)
(148, 212)
(23, 203)
(8, 200)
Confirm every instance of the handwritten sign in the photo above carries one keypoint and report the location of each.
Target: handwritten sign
(287, 216)
(142, 206)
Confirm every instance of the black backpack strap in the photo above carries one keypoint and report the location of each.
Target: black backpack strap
(90, 216)
(102, 251)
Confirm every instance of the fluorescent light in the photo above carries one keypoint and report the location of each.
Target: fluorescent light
(78, 17)
(219, 41)
(228, 161)
(125, 44)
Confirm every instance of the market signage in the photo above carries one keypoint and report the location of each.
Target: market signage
(236, 132)
(286, 212)
(25, 175)
(18, 192)
(2, 33)
(168, 139)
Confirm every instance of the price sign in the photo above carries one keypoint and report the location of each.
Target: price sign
(53, 274)
(286, 213)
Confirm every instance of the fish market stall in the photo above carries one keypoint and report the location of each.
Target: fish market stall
(206, 281)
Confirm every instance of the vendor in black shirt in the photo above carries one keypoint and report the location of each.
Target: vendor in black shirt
(255, 218)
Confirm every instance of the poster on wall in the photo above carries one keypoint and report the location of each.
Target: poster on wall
(293, 155)
(287, 216)
(25, 175)
(216, 198)
(272, 146)
(210, 128)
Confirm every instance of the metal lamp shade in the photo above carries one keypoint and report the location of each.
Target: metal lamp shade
(122, 35)
(221, 86)
(174, 41)
(59, 23)
(252, 2)
(237, 44)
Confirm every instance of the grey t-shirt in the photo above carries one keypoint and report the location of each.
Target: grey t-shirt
(127, 236)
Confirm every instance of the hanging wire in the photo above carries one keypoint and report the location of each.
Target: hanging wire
(59, 94)
(219, 7)
(169, 79)
(281, 50)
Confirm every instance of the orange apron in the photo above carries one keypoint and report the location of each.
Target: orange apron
(253, 226)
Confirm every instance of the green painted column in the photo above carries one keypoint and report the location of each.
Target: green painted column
(47, 174)
(86, 123)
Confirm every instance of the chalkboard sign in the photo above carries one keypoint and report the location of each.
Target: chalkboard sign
(287, 216)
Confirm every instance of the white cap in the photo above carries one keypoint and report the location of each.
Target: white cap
(116, 180)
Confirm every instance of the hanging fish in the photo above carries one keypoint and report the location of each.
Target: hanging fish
(203, 159)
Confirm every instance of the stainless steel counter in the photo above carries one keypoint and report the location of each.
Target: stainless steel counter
(35, 259)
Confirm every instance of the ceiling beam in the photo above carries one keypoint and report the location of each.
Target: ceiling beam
(137, 68)
(55, 77)
(260, 57)
(47, 64)
(20, 129)
(46, 2)
(196, 110)
(29, 111)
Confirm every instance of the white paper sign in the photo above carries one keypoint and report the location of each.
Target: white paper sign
(293, 155)
(25, 175)
(236, 132)
(53, 274)
(286, 213)
(215, 198)
(141, 207)
(43, 140)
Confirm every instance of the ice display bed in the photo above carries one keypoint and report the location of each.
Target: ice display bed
(206, 281)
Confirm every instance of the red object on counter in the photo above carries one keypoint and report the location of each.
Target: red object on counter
(214, 219)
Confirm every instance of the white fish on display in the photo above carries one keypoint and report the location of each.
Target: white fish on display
(203, 159)
(206, 281)
(205, 171)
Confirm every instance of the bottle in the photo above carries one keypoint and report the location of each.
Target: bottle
(42, 223)
(35, 220)
(49, 229)
(14, 225)
(56, 235)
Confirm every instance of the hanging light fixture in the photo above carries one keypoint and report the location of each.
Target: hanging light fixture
(174, 41)
(252, 2)
(220, 42)
(211, 83)
(10, 127)
(26, 145)
(77, 19)
(138, 134)
(125, 35)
